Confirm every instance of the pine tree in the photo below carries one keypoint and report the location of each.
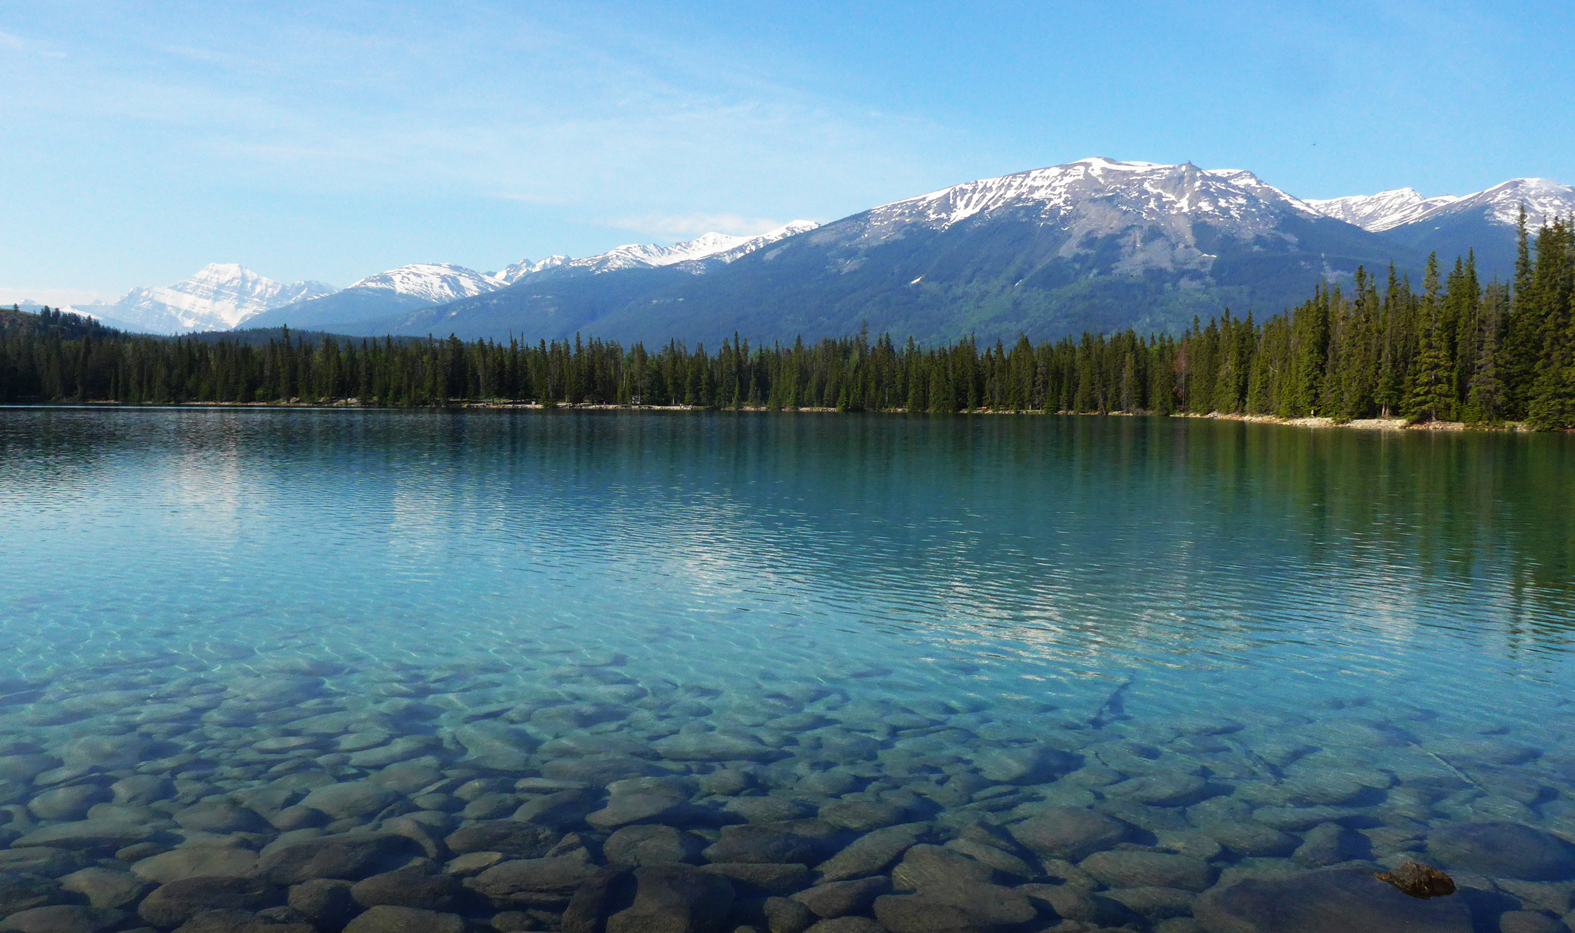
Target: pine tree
(1486, 399)
(1552, 403)
(1431, 395)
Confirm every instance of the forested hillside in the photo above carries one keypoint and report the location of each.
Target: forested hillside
(1452, 349)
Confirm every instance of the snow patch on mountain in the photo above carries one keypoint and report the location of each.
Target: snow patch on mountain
(719, 246)
(435, 283)
(1101, 192)
(1500, 204)
(695, 255)
(1156, 212)
(1385, 210)
(218, 297)
(1544, 200)
(751, 244)
(525, 267)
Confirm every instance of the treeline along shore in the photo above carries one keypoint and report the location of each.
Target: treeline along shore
(1455, 349)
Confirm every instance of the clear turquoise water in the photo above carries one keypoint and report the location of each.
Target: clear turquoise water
(1003, 577)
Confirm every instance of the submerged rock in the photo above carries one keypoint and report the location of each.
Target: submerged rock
(840, 898)
(802, 841)
(219, 816)
(762, 879)
(407, 887)
(871, 853)
(675, 898)
(514, 838)
(1503, 850)
(928, 866)
(104, 887)
(390, 919)
(67, 803)
(1070, 833)
(540, 882)
(179, 864)
(325, 902)
(1324, 901)
(652, 845)
(1025, 765)
(1162, 790)
(1139, 869)
(87, 835)
(712, 746)
(963, 907)
(349, 800)
(346, 855)
(63, 918)
(173, 904)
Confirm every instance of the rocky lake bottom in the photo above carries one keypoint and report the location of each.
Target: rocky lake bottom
(385, 673)
(280, 792)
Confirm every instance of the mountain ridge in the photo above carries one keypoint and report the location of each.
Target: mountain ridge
(219, 296)
(415, 286)
(1093, 243)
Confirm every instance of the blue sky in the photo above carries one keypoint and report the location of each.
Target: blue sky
(333, 140)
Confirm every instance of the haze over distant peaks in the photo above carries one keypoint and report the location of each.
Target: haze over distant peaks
(427, 284)
(716, 247)
(218, 297)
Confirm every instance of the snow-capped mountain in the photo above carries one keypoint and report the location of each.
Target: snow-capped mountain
(1096, 244)
(433, 283)
(423, 285)
(218, 297)
(751, 244)
(1451, 225)
(1099, 194)
(1382, 211)
(1500, 204)
(525, 267)
(1160, 210)
(695, 255)
(417, 285)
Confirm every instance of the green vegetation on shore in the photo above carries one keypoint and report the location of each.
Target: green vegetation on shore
(1456, 349)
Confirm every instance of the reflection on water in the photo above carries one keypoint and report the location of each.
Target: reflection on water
(1234, 613)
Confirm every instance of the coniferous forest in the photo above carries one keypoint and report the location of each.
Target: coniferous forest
(1452, 348)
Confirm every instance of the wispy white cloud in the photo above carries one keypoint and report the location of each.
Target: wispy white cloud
(527, 198)
(54, 297)
(287, 152)
(13, 43)
(602, 128)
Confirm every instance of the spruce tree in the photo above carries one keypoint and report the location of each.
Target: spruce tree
(1431, 396)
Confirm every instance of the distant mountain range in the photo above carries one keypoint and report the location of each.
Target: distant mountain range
(361, 307)
(1096, 244)
(219, 297)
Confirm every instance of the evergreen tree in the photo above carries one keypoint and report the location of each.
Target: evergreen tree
(1431, 396)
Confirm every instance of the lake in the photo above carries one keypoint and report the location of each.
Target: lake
(1105, 671)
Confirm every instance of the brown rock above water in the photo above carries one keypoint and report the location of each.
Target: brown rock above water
(1423, 881)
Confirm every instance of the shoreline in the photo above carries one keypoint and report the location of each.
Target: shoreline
(1359, 424)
